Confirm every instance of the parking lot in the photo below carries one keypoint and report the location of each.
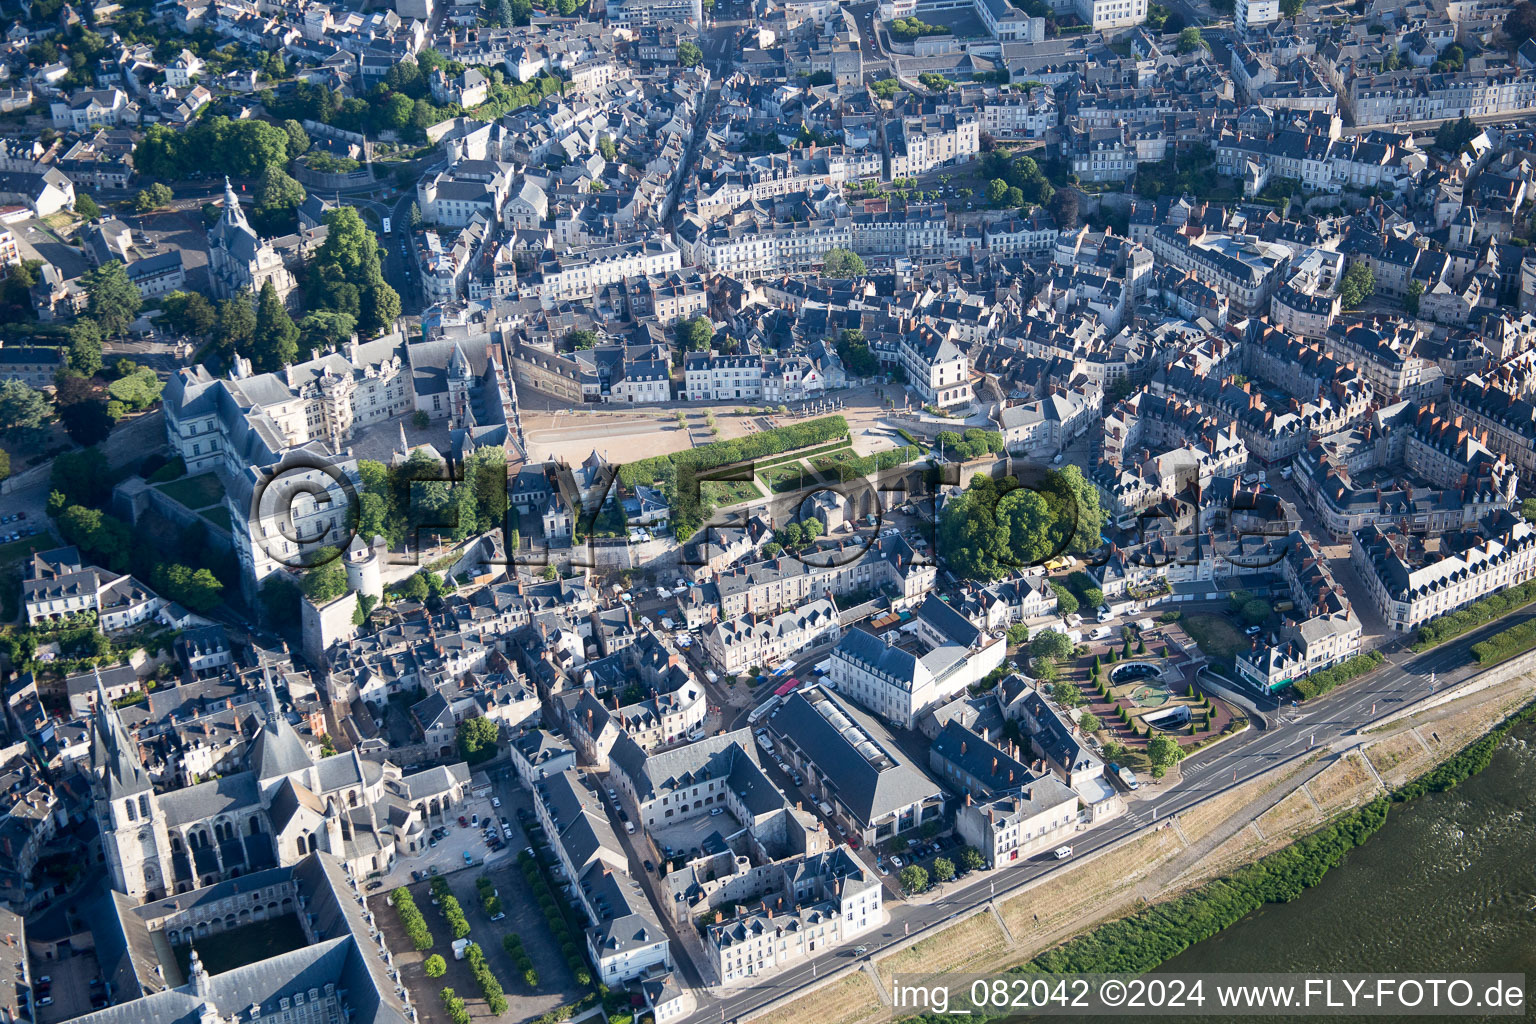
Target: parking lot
(448, 855)
(688, 837)
(71, 984)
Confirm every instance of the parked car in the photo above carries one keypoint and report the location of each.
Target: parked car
(895, 862)
(463, 822)
(374, 885)
(649, 866)
(495, 801)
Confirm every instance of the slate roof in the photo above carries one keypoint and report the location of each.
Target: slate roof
(869, 779)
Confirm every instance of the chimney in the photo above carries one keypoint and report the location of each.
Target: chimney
(994, 766)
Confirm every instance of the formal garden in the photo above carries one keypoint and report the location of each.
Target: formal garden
(1132, 694)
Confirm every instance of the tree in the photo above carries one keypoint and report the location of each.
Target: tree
(85, 347)
(1291, 8)
(1048, 643)
(22, 409)
(550, 574)
(1063, 207)
(276, 342)
(839, 262)
(86, 207)
(695, 335)
(1089, 722)
(83, 477)
(971, 859)
(237, 324)
(114, 300)
(1357, 284)
(688, 54)
(1018, 635)
(476, 735)
(1520, 22)
(1068, 695)
(136, 389)
(197, 589)
(1163, 752)
(997, 191)
(153, 197)
(914, 879)
(328, 579)
(943, 869)
(413, 587)
(1453, 135)
(189, 313)
(606, 147)
(583, 339)
(298, 138)
(5, 463)
(1415, 292)
(1066, 604)
(435, 966)
(1256, 611)
(1190, 40)
(346, 275)
(87, 423)
(277, 200)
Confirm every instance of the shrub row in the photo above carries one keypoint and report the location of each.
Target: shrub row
(410, 917)
(449, 905)
(678, 473)
(1319, 683)
(1473, 615)
(489, 901)
(555, 1016)
(558, 928)
(514, 947)
(1146, 939)
(1467, 763)
(1506, 643)
(495, 999)
(457, 1011)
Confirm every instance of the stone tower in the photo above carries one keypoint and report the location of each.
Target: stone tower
(133, 832)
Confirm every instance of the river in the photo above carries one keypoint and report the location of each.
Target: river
(1448, 884)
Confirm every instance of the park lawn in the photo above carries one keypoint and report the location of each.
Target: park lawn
(244, 944)
(1218, 638)
(218, 516)
(728, 492)
(197, 492)
(791, 476)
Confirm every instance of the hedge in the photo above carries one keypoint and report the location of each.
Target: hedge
(410, 917)
(1319, 683)
(489, 901)
(1148, 938)
(1473, 615)
(1506, 643)
(678, 473)
(495, 999)
(457, 1011)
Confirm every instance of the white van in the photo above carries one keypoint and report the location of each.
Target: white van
(1100, 633)
(1063, 852)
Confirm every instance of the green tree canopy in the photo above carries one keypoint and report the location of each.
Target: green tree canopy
(346, 275)
(695, 335)
(85, 347)
(236, 329)
(276, 341)
(839, 262)
(328, 579)
(1357, 284)
(23, 409)
(688, 54)
(86, 207)
(113, 299)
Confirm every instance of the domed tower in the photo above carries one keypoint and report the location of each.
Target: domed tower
(363, 568)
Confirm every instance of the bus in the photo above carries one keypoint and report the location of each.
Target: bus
(386, 225)
(762, 710)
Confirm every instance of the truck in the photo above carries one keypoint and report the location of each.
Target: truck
(459, 946)
(1128, 777)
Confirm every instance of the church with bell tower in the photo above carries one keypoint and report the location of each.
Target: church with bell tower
(284, 806)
